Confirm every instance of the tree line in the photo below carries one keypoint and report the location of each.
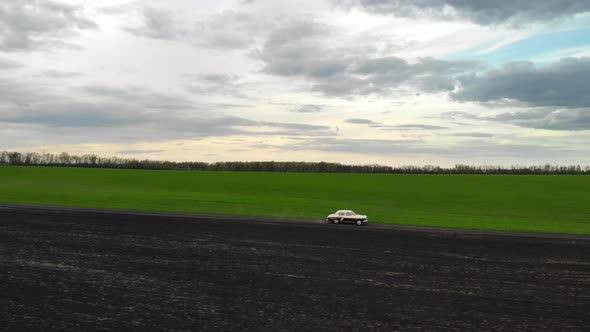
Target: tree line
(93, 161)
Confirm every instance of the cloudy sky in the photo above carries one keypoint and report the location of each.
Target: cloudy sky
(392, 82)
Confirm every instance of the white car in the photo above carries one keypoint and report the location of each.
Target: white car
(347, 216)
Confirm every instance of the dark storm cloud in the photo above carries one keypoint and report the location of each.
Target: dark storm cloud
(30, 24)
(484, 12)
(561, 84)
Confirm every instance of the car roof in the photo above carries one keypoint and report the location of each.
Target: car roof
(343, 211)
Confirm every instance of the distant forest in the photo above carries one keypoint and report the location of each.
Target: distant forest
(93, 161)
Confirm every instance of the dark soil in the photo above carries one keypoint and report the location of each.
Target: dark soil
(85, 270)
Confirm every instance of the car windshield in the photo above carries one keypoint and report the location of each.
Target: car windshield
(352, 213)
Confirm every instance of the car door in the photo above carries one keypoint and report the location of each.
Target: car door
(348, 217)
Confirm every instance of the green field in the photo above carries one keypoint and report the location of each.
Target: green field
(559, 204)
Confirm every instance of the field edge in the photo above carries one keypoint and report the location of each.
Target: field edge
(278, 220)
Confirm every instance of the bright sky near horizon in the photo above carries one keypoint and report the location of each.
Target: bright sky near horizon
(392, 82)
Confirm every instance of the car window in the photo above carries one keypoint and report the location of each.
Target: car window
(348, 214)
(340, 213)
(352, 213)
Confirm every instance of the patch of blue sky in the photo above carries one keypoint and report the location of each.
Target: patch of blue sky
(539, 48)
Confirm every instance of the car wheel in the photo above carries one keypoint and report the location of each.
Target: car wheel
(359, 222)
(336, 221)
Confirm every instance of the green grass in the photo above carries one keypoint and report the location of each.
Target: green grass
(557, 204)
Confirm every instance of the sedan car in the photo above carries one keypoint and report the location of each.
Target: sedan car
(347, 216)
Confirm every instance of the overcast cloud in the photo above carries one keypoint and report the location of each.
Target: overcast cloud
(479, 11)
(560, 84)
(31, 24)
(8, 64)
(158, 24)
(296, 50)
(352, 81)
